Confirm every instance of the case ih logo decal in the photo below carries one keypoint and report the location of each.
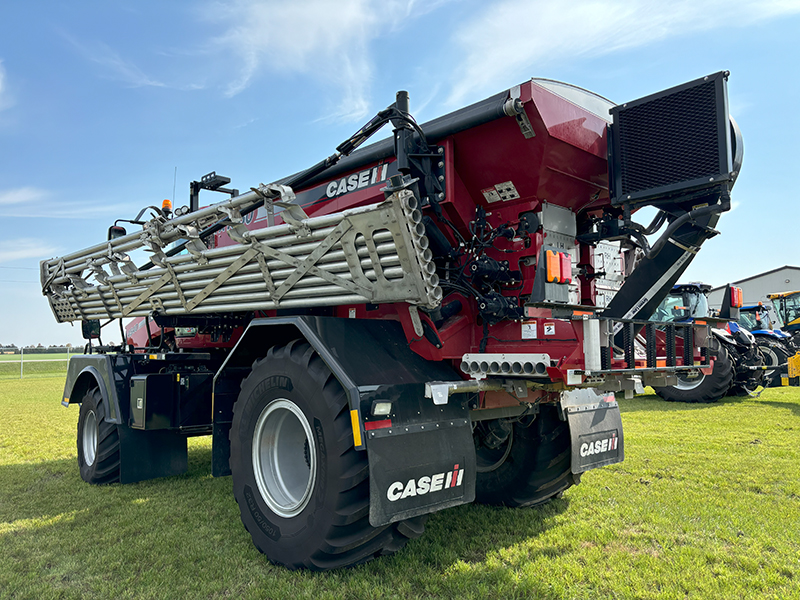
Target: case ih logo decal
(599, 446)
(425, 485)
(356, 181)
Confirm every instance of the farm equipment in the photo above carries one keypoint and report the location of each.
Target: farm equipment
(787, 307)
(437, 318)
(737, 363)
(776, 345)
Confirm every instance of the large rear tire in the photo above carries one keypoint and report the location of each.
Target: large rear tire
(775, 353)
(301, 486)
(98, 441)
(703, 388)
(531, 467)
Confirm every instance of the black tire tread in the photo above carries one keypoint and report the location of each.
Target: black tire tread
(537, 469)
(106, 467)
(351, 540)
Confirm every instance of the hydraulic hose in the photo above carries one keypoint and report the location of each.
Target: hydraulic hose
(689, 216)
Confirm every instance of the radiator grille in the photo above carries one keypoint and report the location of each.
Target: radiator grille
(670, 139)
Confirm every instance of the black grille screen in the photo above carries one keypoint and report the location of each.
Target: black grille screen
(669, 139)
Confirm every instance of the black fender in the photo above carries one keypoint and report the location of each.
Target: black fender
(101, 370)
(361, 353)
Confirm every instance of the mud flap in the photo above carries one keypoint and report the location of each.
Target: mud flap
(595, 427)
(423, 462)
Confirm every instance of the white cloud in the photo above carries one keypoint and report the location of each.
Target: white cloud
(118, 68)
(64, 210)
(25, 248)
(325, 39)
(36, 203)
(513, 36)
(21, 195)
(328, 40)
(112, 63)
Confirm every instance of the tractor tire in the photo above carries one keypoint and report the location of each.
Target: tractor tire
(704, 388)
(301, 486)
(531, 467)
(775, 353)
(98, 441)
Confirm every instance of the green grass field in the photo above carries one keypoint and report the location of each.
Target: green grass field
(33, 365)
(706, 505)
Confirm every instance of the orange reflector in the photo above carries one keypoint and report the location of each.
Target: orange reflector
(566, 267)
(356, 427)
(737, 297)
(553, 267)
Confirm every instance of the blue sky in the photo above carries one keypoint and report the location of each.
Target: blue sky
(101, 102)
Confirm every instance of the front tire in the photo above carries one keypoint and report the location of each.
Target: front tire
(98, 441)
(531, 468)
(301, 486)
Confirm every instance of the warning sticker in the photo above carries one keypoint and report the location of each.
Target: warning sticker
(529, 331)
(502, 191)
(490, 194)
(549, 328)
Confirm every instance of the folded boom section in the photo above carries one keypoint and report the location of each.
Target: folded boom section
(374, 254)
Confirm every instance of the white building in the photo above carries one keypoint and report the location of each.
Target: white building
(756, 288)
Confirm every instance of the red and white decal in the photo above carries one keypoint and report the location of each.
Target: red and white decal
(357, 181)
(427, 484)
(599, 446)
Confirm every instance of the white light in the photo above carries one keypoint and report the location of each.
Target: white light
(381, 408)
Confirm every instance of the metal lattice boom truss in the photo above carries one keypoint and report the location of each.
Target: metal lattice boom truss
(372, 254)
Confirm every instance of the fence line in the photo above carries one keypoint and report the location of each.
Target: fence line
(23, 362)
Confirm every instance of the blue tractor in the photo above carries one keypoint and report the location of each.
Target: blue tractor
(775, 344)
(737, 360)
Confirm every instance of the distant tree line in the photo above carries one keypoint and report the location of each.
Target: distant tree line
(38, 349)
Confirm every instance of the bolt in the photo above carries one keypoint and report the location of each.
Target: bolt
(441, 164)
(441, 150)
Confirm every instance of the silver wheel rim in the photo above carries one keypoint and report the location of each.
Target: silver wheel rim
(90, 438)
(685, 383)
(284, 457)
